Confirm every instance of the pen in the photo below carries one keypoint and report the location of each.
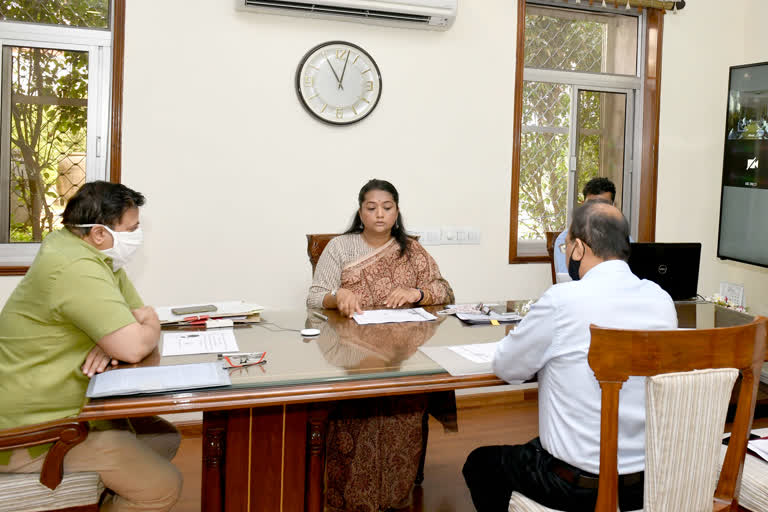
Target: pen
(320, 316)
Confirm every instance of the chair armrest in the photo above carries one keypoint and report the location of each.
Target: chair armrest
(64, 434)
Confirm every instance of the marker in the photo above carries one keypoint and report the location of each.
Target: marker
(320, 316)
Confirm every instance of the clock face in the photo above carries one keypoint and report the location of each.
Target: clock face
(338, 82)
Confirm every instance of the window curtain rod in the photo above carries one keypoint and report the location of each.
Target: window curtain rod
(640, 4)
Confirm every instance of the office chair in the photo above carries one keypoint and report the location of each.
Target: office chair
(51, 489)
(690, 379)
(316, 245)
(551, 236)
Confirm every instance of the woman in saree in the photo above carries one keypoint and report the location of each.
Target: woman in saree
(375, 445)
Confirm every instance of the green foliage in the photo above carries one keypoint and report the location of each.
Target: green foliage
(48, 122)
(76, 13)
(556, 43)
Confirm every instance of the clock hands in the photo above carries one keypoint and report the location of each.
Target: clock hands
(344, 70)
(334, 73)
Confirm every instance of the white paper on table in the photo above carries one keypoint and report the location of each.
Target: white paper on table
(199, 342)
(131, 381)
(760, 447)
(227, 308)
(478, 352)
(389, 316)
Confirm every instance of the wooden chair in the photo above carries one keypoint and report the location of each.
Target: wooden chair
(51, 489)
(316, 245)
(551, 236)
(690, 379)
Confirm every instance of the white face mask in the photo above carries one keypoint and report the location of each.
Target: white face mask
(125, 243)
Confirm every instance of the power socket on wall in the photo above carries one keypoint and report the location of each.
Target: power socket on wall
(448, 236)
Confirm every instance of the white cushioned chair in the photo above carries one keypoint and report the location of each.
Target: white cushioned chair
(690, 380)
(51, 489)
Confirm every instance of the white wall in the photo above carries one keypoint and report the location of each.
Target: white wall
(700, 44)
(236, 172)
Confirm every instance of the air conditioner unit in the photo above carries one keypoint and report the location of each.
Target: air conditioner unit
(427, 14)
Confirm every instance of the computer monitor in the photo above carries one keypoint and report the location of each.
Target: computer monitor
(673, 266)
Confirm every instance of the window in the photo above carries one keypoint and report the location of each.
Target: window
(55, 73)
(581, 89)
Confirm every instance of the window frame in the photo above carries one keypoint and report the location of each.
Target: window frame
(106, 54)
(642, 171)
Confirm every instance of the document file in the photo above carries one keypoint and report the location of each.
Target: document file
(153, 379)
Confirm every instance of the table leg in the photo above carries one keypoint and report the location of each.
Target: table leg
(214, 445)
(318, 427)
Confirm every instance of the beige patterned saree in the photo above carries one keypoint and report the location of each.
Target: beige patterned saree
(375, 275)
(375, 445)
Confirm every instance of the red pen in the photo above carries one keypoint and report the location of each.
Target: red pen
(195, 318)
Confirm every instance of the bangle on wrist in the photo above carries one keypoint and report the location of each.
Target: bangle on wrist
(421, 295)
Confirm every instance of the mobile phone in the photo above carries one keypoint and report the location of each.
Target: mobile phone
(206, 308)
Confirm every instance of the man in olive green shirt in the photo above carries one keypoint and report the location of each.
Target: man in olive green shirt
(74, 313)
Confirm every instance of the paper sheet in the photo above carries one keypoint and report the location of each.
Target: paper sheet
(199, 342)
(389, 316)
(455, 361)
(760, 447)
(131, 381)
(477, 353)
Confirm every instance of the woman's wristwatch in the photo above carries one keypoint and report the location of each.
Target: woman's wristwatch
(421, 296)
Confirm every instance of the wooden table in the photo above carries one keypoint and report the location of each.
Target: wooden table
(264, 437)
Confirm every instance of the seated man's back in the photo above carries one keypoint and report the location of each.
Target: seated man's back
(560, 469)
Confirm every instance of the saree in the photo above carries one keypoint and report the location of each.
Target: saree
(375, 446)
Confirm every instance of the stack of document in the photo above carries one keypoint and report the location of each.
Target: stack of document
(154, 379)
(481, 318)
(764, 374)
(229, 312)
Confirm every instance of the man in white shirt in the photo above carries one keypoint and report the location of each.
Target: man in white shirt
(560, 469)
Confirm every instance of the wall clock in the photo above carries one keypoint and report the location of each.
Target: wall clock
(338, 82)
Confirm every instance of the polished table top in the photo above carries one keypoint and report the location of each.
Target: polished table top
(359, 360)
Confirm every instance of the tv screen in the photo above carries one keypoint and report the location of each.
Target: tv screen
(743, 232)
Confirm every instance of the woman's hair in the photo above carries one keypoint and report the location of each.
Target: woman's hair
(398, 230)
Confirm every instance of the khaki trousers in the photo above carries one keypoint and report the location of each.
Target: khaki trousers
(133, 459)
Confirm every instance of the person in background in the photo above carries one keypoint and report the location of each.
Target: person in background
(596, 188)
(560, 468)
(375, 445)
(74, 314)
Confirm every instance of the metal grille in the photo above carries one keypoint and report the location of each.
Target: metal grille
(48, 138)
(564, 43)
(544, 159)
(74, 13)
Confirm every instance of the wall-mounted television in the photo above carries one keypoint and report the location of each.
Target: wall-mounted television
(743, 234)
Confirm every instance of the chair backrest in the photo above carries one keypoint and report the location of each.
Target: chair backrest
(551, 237)
(615, 355)
(316, 245)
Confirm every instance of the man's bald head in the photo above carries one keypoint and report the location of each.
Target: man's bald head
(603, 228)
